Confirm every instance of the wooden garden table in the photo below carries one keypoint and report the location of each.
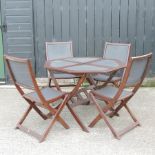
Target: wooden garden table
(83, 67)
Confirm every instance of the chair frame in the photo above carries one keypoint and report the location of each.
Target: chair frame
(111, 102)
(117, 44)
(109, 80)
(57, 43)
(54, 112)
(51, 77)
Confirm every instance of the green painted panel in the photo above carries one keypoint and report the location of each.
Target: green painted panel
(1, 56)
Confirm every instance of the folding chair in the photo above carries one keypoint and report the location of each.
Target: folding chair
(134, 75)
(22, 76)
(117, 51)
(59, 50)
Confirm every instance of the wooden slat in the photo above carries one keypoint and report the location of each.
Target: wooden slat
(17, 0)
(19, 48)
(65, 20)
(153, 38)
(115, 20)
(124, 21)
(74, 22)
(18, 19)
(19, 27)
(82, 27)
(20, 40)
(17, 53)
(40, 38)
(140, 27)
(107, 21)
(90, 28)
(57, 20)
(49, 20)
(98, 28)
(18, 4)
(148, 26)
(129, 128)
(19, 12)
(132, 26)
(29, 131)
(12, 34)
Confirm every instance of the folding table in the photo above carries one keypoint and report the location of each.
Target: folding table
(83, 67)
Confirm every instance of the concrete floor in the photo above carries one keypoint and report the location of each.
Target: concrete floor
(140, 141)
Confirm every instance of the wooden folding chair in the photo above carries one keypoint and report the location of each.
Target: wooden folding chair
(134, 75)
(118, 51)
(59, 50)
(22, 76)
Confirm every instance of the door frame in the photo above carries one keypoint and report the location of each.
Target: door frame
(2, 73)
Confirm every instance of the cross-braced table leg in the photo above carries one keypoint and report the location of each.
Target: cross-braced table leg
(69, 97)
(80, 99)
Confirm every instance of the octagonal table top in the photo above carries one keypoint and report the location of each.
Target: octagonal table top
(81, 65)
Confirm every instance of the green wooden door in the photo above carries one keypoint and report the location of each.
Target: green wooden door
(1, 55)
(17, 30)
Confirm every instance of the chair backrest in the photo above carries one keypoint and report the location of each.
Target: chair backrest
(117, 51)
(58, 50)
(135, 73)
(138, 69)
(20, 71)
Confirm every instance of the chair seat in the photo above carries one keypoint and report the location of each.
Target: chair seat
(48, 93)
(110, 92)
(103, 77)
(64, 76)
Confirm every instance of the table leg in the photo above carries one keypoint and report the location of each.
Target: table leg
(68, 98)
(80, 99)
(55, 82)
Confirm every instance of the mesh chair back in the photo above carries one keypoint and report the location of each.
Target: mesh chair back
(117, 51)
(138, 70)
(58, 50)
(20, 72)
(135, 73)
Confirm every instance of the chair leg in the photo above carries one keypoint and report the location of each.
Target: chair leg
(52, 78)
(90, 80)
(132, 125)
(49, 82)
(103, 116)
(37, 109)
(122, 103)
(24, 116)
(131, 114)
(77, 118)
(98, 117)
(23, 128)
(62, 122)
(49, 115)
(93, 123)
(56, 117)
(115, 112)
(40, 137)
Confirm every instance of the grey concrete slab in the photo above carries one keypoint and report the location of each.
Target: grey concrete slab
(140, 141)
